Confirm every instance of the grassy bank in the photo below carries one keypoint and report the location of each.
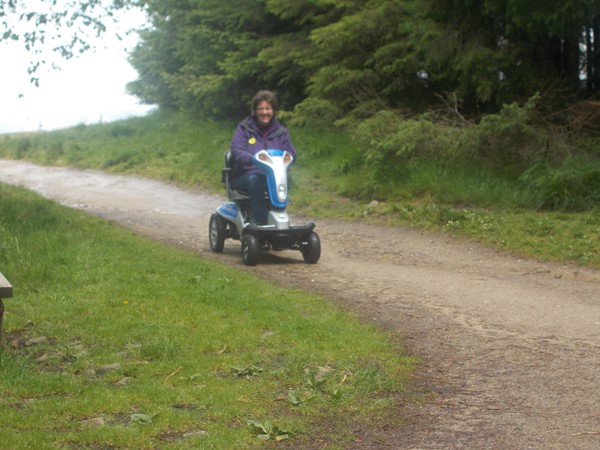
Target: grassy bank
(450, 195)
(115, 341)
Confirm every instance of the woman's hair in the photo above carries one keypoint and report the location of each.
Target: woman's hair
(264, 96)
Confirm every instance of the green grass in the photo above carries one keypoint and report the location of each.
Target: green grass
(548, 236)
(203, 356)
(334, 178)
(164, 145)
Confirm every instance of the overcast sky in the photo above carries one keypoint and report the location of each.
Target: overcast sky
(88, 89)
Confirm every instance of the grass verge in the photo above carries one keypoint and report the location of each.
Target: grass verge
(115, 341)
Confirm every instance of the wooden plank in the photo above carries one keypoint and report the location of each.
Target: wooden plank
(6, 290)
(1, 318)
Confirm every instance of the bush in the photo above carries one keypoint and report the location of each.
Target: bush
(23, 146)
(313, 112)
(573, 186)
(426, 155)
(510, 142)
(391, 142)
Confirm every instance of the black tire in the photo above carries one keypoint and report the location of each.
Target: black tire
(250, 249)
(311, 248)
(216, 233)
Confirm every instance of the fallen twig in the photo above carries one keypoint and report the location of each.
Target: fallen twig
(173, 374)
(331, 369)
(587, 433)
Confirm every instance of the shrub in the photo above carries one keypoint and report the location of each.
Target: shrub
(573, 186)
(391, 142)
(313, 112)
(509, 140)
(23, 146)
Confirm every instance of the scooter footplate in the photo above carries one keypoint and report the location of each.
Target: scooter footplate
(281, 239)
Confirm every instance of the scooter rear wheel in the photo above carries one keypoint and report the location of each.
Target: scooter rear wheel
(250, 249)
(216, 233)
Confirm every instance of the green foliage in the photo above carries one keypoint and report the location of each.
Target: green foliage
(468, 163)
(243, 47)
(393, 141)
(114, 340)
(393, 145)
(346, 71)
(315, 112)
(266, 431)
(509, 141)
(55, 31)
(332, 60)
(572, 186)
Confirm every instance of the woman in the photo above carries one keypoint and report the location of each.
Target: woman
(260, 131)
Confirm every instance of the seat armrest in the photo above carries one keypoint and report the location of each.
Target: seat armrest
(225, 174)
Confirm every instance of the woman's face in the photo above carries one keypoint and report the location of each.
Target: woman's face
(264, 112)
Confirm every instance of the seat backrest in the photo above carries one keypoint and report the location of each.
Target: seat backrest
(228, 160)
(226, 173)
(227, 168)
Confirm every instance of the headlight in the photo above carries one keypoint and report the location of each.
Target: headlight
(264, 157)
(281, 193)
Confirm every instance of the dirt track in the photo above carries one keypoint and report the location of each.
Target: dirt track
(510, 347)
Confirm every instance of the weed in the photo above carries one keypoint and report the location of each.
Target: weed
(266, 430)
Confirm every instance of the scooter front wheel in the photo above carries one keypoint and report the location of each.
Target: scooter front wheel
(216, 233)
(311, 248)
(250, 249)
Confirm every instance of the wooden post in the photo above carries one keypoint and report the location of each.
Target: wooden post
(5, 292)
(1, 318)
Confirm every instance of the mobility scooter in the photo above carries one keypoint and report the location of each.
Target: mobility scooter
(233, 219)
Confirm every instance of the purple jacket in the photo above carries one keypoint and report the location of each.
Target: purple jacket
(249, 139)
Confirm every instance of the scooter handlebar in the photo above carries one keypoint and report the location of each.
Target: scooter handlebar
(266, 156)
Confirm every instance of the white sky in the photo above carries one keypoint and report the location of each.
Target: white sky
(87, 89)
